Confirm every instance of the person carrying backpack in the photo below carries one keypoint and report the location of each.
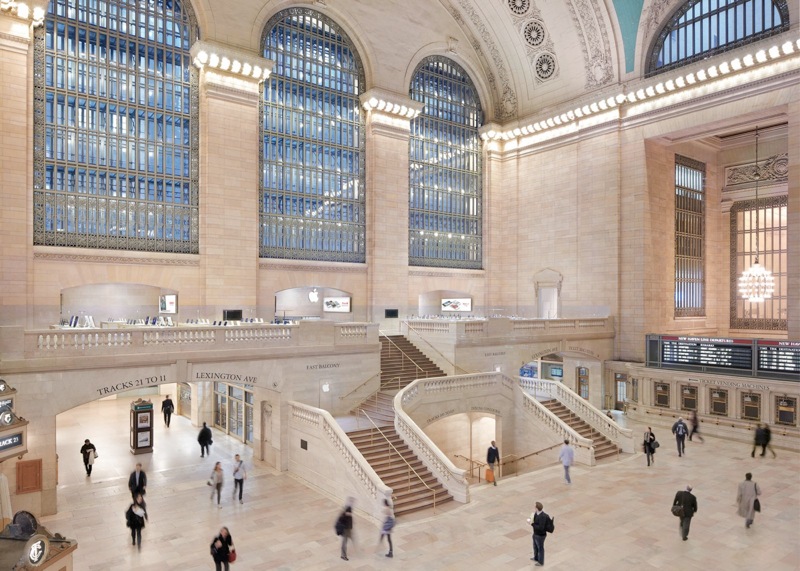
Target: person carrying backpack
(344, 528)
(542, 524)
(680, 430)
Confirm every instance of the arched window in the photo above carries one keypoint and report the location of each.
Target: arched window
(115, 126)
(445, 189)
(312, 203)
(701, 28)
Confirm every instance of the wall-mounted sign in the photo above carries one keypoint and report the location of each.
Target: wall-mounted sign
(10, 441)
(168, 303)
(457, 304)
(336, 304)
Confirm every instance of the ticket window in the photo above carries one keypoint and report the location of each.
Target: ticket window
(718, 402)
(751, 406)
(583, 382)
(786, 411)
(689, 398)
(662, 395)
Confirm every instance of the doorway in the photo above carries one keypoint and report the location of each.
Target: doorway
(621, 392)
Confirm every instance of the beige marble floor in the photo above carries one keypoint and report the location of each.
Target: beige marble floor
(613, 516)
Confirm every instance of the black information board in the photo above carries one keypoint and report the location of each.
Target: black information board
(783, 356)
(723, 353)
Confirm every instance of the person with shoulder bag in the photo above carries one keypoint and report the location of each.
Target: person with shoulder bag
(747, 500)
(222, 550)
(542, 524)
(649, 445)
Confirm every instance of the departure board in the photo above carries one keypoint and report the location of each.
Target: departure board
(781, 356)
(709, 352)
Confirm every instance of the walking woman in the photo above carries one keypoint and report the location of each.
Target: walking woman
(221, 550)
(650, 445)
(215, 481)
(746, 498)
(135, 517)
(388, 525)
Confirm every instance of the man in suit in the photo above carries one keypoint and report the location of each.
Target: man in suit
(137, 482)
(689, 503)
(167, 407)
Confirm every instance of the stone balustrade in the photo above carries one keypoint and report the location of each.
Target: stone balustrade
(531, 329)
(108, 342)
(622, 437)
(333, 463)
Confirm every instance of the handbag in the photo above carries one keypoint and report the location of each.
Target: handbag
(209, 482)
(96, 456)
(231, 556)
(757, 505)
(677, 510)
(655, 444)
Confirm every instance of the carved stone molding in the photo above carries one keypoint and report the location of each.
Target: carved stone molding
(325, 269)
(594, 41)
(443, 274)
(505, 105)
(100, 259)
(536, 38)
(772, 169)
(653, 16)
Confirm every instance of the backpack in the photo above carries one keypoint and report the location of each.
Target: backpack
(550, 526)
(680, 430)
(339, 525)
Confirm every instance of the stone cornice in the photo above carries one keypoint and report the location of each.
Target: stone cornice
(178, 260)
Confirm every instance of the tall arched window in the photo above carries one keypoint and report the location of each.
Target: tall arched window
(445, 189)
(115, 126)
(701, 28)
(312, 153)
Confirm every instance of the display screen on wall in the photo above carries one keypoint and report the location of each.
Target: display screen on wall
(168, 303)
(457, 304)
(556, 372)
(336, 304)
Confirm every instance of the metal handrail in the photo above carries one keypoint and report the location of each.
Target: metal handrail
(411, 469)
(406, 355)
(471, 462)
(456, 368)
(361, 385)
(388, 385)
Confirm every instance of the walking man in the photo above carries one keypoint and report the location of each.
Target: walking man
(493, 460)
(689, 503)
(239, 475)
(204, 438)
(137, 482)
(695, 427)
(680, 431)
(89, 454)
(567, 457)
(167, 407)
(746, 498)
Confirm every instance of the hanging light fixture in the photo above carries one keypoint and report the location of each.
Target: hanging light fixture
(757, 283)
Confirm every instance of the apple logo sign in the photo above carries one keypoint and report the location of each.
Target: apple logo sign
(313, 296)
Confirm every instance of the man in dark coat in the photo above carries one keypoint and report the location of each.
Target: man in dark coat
(167, 407)
(493, 460)
(137, 482)
(689, 503)
(759, 440)
(204, 438)
(540, 522)
(680, 431)
(88, 451)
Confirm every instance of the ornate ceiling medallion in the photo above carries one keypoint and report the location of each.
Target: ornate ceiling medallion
(545, 66)
(519, 7)
(535, 33)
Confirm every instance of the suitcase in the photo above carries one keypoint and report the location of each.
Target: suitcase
(489, 475)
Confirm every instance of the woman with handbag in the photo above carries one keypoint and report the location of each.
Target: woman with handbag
(650, 445)
(222, 550)
(747, 498)
(215, 481)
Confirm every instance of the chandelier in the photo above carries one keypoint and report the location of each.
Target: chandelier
(757, 283)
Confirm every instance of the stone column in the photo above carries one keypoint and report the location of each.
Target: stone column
(230, 91)
(16, 179)
(388, 127)
(793, 113)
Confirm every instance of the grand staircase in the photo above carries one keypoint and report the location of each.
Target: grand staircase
(413, 490)
(603, 447)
